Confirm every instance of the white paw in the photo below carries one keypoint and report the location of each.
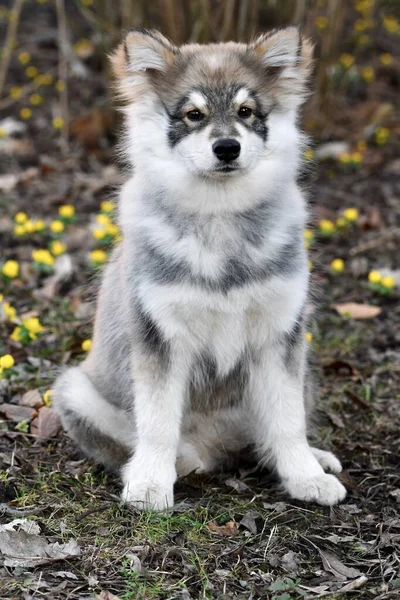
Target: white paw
(148, 495)
(327, 460)
(324, 489)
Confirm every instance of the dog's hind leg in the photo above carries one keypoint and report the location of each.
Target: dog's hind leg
(103, 431)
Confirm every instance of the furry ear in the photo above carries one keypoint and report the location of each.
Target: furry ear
(287, 54)
(143, 51)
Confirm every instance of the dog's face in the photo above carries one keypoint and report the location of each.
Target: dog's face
(216, 110)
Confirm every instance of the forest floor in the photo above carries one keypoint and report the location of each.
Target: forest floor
(232, 535)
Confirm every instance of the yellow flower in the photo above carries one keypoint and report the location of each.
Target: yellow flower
(58, 123)
(308, 235)
(321, 22)
(39, 225)
(60, 86)
(388, 282)
(21, 218)
(386, 59)
(9, 311)
(86, 345)
(99, 234)
(356, 158)
(368, 74)
(30, 226)
(382, 135)
(35, 99)
(58, 248)
(374, 277)
(391, 24)
(24, 58)
(309, 154)
(107, 206)
(341, 223)
(67, 211)
(6, 361)
(57, 226)
(25, 113)
(98, 256)
(15, 92)
(33, 326)
(31, 72)
(103, 220)
(364, 39)
(326, 226)
(351, 215)
(19, 230)
(361, 146)
(309, 336)
(344, 158)
(346, 60)
(362, 25)
(112, 230)
(337, 265)
(47, 397)
(364, 6)
(10, 269)
(44, 79)
(43, 257)
(16, 334)
(2, 133)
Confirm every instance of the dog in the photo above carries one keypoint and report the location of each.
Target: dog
(199, 344)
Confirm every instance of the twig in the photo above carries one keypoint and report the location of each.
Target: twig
(10, 39)
(63, 68)
(17, 512)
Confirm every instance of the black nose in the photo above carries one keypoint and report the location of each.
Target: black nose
(226, 149)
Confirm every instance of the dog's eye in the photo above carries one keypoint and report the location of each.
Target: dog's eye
(194, 115)
(245, 112)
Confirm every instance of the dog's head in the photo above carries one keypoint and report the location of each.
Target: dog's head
(217, 110)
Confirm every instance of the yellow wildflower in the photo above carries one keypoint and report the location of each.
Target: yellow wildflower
(6, 361)
(2, 133)
(43, 257)
(386, 59)
(351, 215)
(34, 327)
(308, 235)
(16, 334)
(361, 146)
(25, 113)
(103, 220)
(321, 22)
(382, 135)
(30, 226)
(47, 397)
(326, 226)
(364, 6)
(57, 226)
(346, 60)
(67, 211)
(58, 123)
(309, 154)
(98, 256)
(344, 158)
(363, 25)
(308, 336)
(356, 158)
(35, 99)
(107, 206)
(44, 79)
(391, 24)
(99, 234)
(86, 345)
(112, 230)
(341, 222)
(24, 58)
(31, 72)
(388, 282)
(368, 74)
(9, 311)
(10, 269)
(60, 86)
(337, 265)
(19, 230)
(374, 277)
(58, 248)
(21, 218)
(39, 225)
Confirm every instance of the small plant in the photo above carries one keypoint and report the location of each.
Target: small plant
(381, 285)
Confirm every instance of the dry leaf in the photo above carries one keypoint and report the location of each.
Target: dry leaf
(21, 549)
(47, 424)
(16, 413)
(357, 311)
(334, 565)
(33, 399)
(229, 529)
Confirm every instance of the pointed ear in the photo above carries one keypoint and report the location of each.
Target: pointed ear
(143, 51)
(287, 54)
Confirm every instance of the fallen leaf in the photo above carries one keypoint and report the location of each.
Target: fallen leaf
(229, 529)
(356, 310)
(249, 522)
(47, 424)
(16, 413)
(104, 595)
(237, 485)
(336, 420)
(26, 525)
(337, 568)
(21, 549)
(33, 399)
(64, 575)
(289, 563)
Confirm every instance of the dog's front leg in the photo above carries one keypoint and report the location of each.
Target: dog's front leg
(277, 402)
(159, 393)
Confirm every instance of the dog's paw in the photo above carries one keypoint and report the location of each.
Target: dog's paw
(327, 460)
(148, 495)
(324, 489)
